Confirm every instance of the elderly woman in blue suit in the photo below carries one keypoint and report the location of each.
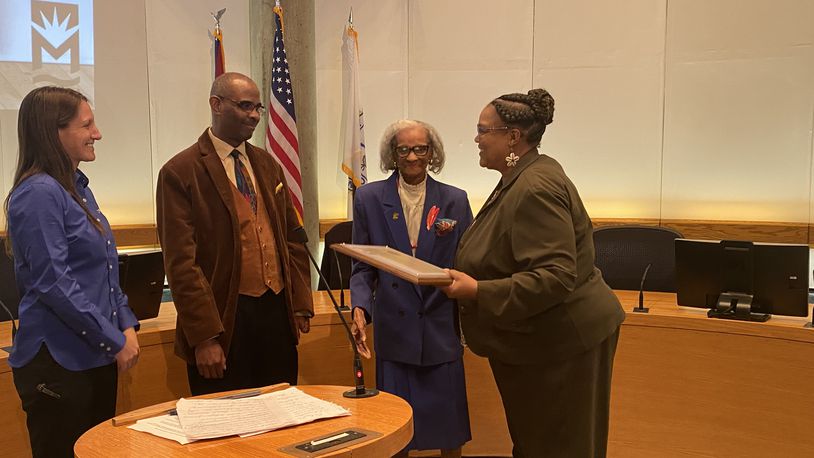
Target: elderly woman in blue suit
(418, 346)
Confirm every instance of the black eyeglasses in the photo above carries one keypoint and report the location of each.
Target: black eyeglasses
(485, 130)
(418, 150)
(246, 105)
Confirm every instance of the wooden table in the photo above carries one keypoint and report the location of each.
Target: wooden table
(683, 385)
(386, 414)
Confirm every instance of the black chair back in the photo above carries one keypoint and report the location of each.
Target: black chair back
(8, 284)
(340, 233)
(141, 277)
(623, 253)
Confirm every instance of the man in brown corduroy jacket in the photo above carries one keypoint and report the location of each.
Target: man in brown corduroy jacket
(240, 284)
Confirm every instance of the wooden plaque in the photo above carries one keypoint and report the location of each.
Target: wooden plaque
(404, 266)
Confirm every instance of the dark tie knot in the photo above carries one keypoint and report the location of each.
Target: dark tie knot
(235, 154)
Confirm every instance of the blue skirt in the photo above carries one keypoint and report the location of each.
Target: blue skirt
(437, 395)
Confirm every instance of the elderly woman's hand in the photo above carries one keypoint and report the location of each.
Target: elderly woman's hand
(357, 328)
(463, 286)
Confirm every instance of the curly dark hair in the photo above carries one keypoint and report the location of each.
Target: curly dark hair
(530, 112)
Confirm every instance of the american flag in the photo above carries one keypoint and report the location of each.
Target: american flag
(281, 133)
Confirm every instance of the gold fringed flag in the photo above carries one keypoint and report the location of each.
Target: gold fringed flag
(352, 129)
(220, 59)
(220, 56)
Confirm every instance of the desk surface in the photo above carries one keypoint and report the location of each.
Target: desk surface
(663, 313)
(386, 414)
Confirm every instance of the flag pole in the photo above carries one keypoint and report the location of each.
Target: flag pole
(351, 185)
(279, 10)
(220, 56)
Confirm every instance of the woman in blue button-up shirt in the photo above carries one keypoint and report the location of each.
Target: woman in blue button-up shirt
(75, 325)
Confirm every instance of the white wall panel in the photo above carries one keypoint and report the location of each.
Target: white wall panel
(738, 110)
(462, 55)
(121, 176)
(464, 35)
(607, 135)
(596, 33)
(603, 64)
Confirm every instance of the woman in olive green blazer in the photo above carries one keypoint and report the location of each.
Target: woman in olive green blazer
(531, 299)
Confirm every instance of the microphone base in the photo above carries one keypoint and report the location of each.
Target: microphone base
(360, 393)
(343, 307)
(641, 310)
(758, 317)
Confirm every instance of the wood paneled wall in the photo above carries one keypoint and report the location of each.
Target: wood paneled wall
(758, 231)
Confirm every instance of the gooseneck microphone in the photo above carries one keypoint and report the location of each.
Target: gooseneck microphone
(641, 308)
(342, 305)
(358, 374)
(13, 323)
(13, 328)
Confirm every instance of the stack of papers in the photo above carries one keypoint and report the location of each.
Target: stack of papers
(210, 418)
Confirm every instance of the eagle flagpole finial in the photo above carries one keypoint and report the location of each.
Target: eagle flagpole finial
(217, 16)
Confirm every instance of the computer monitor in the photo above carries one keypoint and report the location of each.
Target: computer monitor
(141, 276)
(742, 280)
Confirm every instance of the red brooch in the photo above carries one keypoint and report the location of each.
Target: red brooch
(433, 213)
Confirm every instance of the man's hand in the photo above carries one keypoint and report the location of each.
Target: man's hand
(463, 286)
(358, 331)
(127, 357)
(303, 323)
(210, 359)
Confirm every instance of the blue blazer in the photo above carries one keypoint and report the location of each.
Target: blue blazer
(413, 324)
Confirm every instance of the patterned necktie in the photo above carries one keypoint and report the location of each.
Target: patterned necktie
(244, 182)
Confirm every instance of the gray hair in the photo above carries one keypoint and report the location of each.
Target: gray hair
(387, 158)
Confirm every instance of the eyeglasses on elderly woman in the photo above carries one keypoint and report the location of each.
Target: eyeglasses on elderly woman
(418, 150)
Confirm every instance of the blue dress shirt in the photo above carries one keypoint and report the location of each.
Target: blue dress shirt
(68, 276)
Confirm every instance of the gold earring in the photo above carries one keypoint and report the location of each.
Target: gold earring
(511, 159)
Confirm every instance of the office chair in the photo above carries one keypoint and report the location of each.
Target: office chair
(623, 253)
(8, 285)
(340, 233)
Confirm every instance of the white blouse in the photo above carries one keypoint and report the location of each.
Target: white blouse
(412, 202)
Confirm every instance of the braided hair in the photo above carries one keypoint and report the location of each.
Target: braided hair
(530, 112)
